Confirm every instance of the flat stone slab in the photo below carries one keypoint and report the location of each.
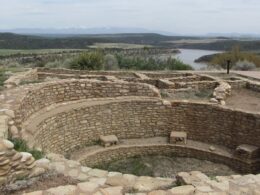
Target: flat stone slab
(146, 184)
(110, 191)
(62, 190)
(121, 180)
(98, 173)
(182, 190)
(87, 187)
(108, 140)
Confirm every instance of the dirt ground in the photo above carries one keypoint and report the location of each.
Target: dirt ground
(204, 95)
(244, 99)
(41, 183)
(164, 166)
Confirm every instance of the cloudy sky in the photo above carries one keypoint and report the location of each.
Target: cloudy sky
(177, 16)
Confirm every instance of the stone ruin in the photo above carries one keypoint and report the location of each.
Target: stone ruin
(14, 164)
(178, 137)
(63, 111)
(108, 140)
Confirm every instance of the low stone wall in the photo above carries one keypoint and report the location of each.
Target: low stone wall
(200, 85)
(69, 90)
(193, 78)
(46, 76)
(85, 72)
(148, 118)
(6, 123)
(237, 84)
(255, 86)
(221, 92)
(14, 165)
(16, 79)
(166, 84)
(166, 75)
(122, 152)
(4, 119)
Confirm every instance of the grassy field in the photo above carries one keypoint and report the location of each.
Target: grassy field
(118, 45)
(196, 41)
(7, 52)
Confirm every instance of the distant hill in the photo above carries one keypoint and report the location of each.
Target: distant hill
(16, 41)
(81, 41)
(81, 31)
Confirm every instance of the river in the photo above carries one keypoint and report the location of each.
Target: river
(188, 56)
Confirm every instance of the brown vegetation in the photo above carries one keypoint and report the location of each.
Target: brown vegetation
(235, 55)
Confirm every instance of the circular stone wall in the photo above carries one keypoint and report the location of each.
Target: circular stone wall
(46, 94)
(123, 152)
(131, 118)
(126, 118)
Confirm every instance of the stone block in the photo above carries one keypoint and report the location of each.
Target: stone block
(82, 177)
(43, 163)
(121, 180)
(97, 173)
(62, 190)
(247, 151)
(37, 172)
(158, 192)
(108, 140)
(113, 190)
(178, 137)
(146, 184)
(100, 181)
(112, 174)
(34, 193)
(87, 188)
(182, 190)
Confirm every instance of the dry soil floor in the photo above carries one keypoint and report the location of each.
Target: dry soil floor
(244, 99)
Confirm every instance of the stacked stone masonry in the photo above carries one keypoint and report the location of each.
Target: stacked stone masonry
(128, 105)
(15, 80)
(100, 182)
(13, 164)
(108, 155)
(66, 90)
(149, 118)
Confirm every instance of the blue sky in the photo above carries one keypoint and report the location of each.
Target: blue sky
(177, 16)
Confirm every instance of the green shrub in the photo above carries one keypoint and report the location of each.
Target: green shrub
(21, 146)
(66, 63)
(55, 64)
(3, 77)
(97, 61)
(139, 63)
(88, 61)
(176, 64)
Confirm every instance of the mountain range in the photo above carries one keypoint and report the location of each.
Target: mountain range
(82, 31)
(116, 30)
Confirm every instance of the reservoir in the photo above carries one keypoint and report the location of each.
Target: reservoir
(188, 56)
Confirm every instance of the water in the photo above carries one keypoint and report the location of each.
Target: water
(188, 56)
